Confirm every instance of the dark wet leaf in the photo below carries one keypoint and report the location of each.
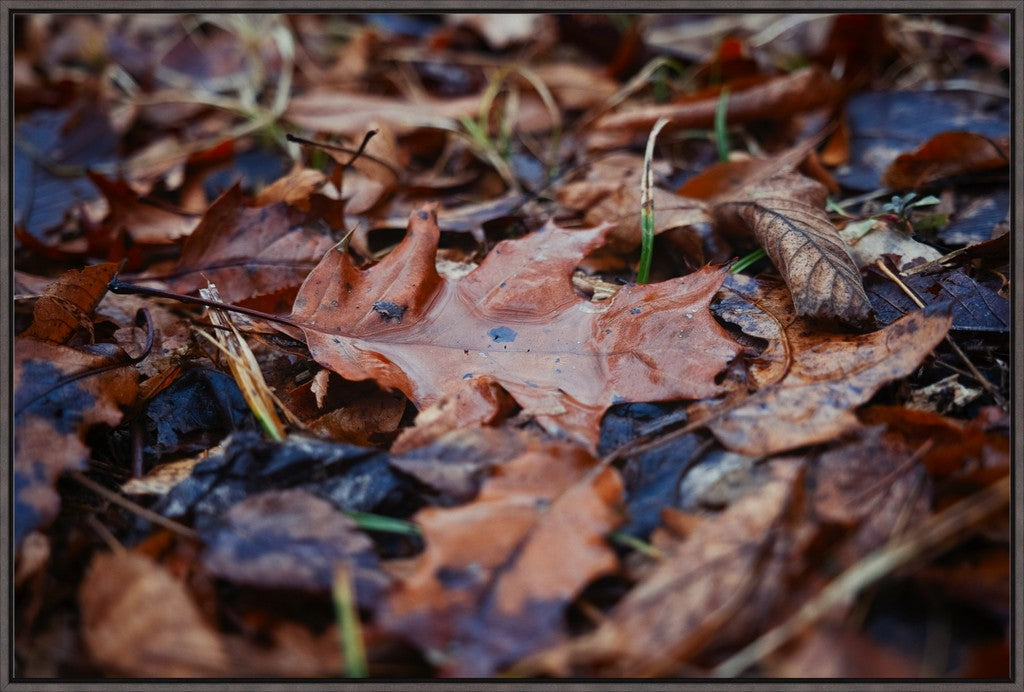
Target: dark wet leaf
(351, 478)
(885, 123)
(975, 307)
(975, 216)
(52, 149)
(289, 539)
(945, 155)
(56, 402)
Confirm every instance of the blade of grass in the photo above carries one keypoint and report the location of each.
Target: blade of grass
(747, 260)
(647, 207)
(379, 522)
(721, 134)
(349, 631)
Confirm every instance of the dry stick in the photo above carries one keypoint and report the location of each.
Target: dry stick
(928, 536)
(988, 386)
(147, 514)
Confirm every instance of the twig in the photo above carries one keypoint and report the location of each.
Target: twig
(147, 514)
(928, 536)
(975, 373)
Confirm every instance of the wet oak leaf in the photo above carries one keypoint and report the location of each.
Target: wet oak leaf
(786, 213)
(517, 320)
(67, 303)
(138, 620)
(945, 155)
(248, 252)
(497, 573)
(830, 374)
(54, 408)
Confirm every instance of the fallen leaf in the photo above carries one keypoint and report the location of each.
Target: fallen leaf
(705, 581)
(516, 320)
(882, 239)
(610, 192)
(830, 374)
(247, 252)
(57, 400)
(139, 621)
(501, 30)
(576, 86)
(67, 304)
(829, 652)
(749, 99)
(945, 155)
(141, 220)
(330, 110)
(289, 539)
(787, 215)
(481, 596)
(884, 124)
(974, 306)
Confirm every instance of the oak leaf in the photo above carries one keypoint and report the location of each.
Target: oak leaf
(68, 303)
(517, 320)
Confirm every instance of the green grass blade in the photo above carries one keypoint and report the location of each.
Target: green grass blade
(349, 631)
(721, 134)
(748, 260)
(647, 207)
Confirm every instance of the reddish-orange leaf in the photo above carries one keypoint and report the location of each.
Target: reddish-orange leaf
(517, 320)
(945, 155)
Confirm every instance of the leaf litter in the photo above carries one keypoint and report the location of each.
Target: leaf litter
(452, 427)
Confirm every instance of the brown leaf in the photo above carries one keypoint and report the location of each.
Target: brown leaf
(497, 573)
(830, 374)
(56, 401)
(248, 252)
(787, 215)
(704, 582)
(945, 155)
(517, 320)
(142, 220)
(139, 621)
(749, 99)
(610, 192)
(68, 303)
(330, 110)
(289, 539)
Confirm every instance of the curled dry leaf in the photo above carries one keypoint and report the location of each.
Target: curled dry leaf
(56, 402)
(945, 155)
(830, 374)
(787, 215)
(139, 621)
(248, 252)
(479, 596)
(68, 303)
(749, 99)
(516, 320)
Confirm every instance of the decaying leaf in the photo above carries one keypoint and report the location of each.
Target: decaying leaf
(517, 320)
(945, 155)
(57, 399)
(289, 539)
(142, 220)
(830, 374)
(139, 621)
(693, 592)
(67, 303)
(787, 215)
(497, 573)
(248, 252)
